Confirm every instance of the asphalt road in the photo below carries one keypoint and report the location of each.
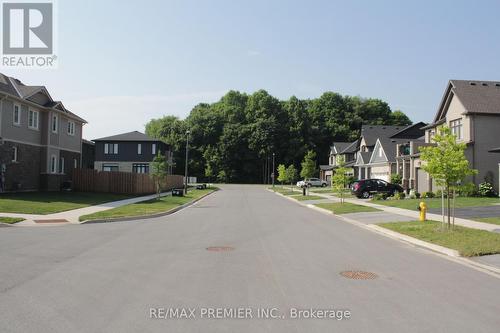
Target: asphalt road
(107, 277)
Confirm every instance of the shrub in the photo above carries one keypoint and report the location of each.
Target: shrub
(396, 179)
(467, 190)
(417, 195)
(400, 196)
(379, 196)
(486, 190)
(439, 193)
(428, 195)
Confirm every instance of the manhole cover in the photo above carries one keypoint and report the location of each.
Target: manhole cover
(220, 248)
(359, 275)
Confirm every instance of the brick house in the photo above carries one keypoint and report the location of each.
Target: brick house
(40, 140)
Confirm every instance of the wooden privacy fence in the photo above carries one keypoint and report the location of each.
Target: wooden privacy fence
(88, 180)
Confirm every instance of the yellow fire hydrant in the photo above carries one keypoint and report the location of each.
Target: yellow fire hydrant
(423, 211)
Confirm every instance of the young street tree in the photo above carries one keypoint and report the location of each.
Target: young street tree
(281, 173)
(159, 171)
(446, 163)
(308, 165)
(290, 175)
(339, 179)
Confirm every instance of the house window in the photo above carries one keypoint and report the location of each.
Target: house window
(140, 168)
(75, 163)
(14, 154)
(153, 148)
(139, 149)
(71, 127)
(111, 148)
(33, 119)
(456, 128)
(379, 152)
(54, 123)
(53, 164)
(61, 165)
(109, 167)
(16, 117)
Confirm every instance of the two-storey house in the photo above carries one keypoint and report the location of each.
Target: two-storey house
(40, 140)
(472, 111)
(338, 151)
(129, 152)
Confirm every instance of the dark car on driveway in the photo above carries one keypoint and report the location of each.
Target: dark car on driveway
(365, 187)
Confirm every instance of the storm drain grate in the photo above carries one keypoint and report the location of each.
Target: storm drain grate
(359, 275)
(220, 248)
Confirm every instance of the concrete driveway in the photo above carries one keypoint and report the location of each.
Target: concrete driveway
(107, 277)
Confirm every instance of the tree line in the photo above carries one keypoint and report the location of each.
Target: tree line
(234, 139)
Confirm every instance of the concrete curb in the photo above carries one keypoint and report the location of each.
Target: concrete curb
(445, 252)
(144, 217)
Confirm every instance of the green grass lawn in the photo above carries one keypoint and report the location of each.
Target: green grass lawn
(492, 220)
(468, 242)
(147, 207)
(52, 202)
(284, 190)
(10, 220)
(301, 197)
(436, 202)
(346, 207)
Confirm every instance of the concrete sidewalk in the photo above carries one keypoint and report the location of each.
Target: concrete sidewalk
(71, 216)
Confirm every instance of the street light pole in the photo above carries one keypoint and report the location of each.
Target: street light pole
(274, 170)
(186, 166)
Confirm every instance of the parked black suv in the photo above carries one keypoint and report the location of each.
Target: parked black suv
(365, 187)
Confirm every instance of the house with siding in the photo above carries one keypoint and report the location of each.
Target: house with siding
(472, 111)
(338, 150)
(367, 167)
(129, 152)
(379, 144)
(40, 140)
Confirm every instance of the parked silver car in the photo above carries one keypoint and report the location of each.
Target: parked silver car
(312, 182)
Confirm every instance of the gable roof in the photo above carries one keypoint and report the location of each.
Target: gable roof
(364, 156)
(413, 131)
(372, 132)
(129, 136)
(475, 96)
(352, 148)
(390, 147)
(339, 146)
(14, 87)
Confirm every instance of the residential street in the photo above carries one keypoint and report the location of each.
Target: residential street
(106, 277)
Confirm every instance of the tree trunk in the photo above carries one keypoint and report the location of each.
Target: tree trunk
(448, 206)
(454, 204)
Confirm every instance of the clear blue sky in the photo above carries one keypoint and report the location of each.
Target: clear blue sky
(124, 62)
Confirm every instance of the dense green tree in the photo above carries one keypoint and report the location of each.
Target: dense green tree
(235, 137)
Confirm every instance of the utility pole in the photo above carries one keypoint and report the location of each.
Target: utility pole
(186, 167)
(274, 170)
